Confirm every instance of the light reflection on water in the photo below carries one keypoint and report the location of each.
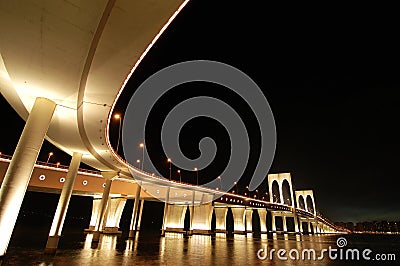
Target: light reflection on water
(148, 248)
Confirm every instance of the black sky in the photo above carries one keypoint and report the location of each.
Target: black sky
(330, 74)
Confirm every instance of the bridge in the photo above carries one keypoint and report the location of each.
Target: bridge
(63, 66)
(49, 178)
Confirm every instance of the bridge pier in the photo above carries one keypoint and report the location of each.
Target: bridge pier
(103, 204)
(175, 218)
(115, 207)
(220, 219)
(249, 220)
(239, 220)
(263, 220)
(140, 215)
(201, 219)
(19, 172)
(284, 215)
(62, 207)
(165, 216)
(135, 213)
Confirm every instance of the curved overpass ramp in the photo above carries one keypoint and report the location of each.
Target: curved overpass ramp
(78, 54)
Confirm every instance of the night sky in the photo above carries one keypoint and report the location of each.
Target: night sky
(330, 75)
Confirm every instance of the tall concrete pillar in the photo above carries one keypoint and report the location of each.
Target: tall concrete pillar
(115, 207)
(140, 215)
(249, 220)
(301, 226)
(175, 220)
(296, 224)
(135, 212)
(220, 219)
(309, 226)
(202, 216)
(263, 220)
(273, 222)
(238, 219)
(95, 214)
(109, 176)
(19, 171)
(284, 223)
(164, 225)
(192, 213)
(63, 202)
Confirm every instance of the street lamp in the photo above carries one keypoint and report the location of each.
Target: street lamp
(237, 190)
(48, 158)
(220, 182)
(138, 162)
(247, 187)
(58, 164)
(197, 175)
(141, 145)
(118, 117)
(180, 177)
(170, 162)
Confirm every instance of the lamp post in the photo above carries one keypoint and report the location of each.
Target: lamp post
(197, 175)
(58, 164)
(138, 162)
(141, 145)
(220, 182)
(170, 162)
(180, 177)
(118, 117)
(48, 158)
(237, 190)
(247, 188)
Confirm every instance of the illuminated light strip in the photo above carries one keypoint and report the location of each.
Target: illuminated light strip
(116, 156)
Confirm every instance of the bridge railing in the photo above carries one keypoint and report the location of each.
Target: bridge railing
(55, 165)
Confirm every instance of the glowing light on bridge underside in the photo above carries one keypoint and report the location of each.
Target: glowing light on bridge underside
(84, 182)
(62, 179)
(42, 177)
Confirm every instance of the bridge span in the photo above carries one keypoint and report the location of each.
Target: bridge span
(106, 214)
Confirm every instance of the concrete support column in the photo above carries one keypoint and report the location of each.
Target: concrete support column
(249, 220)
(301, 226)
(115, 207)
(103, 204)
(175, 220)
(164, 225)
(192, 213)
(263, 220)
(239, 219)
(95, 214)
(135, 212)
(296, 224)
(19, 172)
(220, 219)
(202, 216)
(63, 202)
(273, 222)
(140, 215)
(284, 223)
(309, 227)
